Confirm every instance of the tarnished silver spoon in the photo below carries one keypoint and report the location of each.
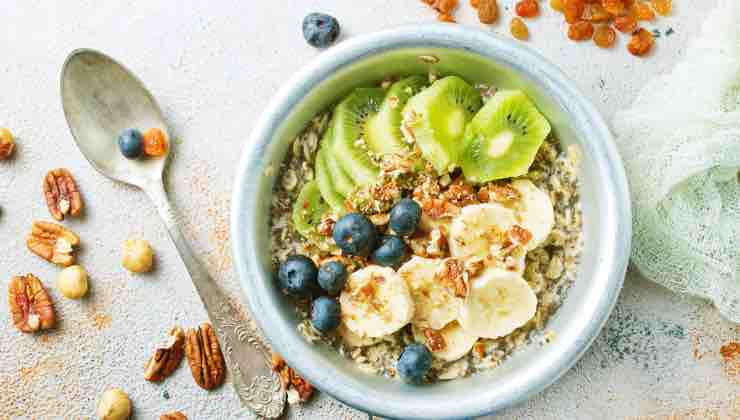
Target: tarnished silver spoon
(101, 98)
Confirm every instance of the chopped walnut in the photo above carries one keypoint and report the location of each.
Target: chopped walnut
(498, 192)
(519, 235)
(452, 274)
(434, 340)
(326, 225)
(290, 379)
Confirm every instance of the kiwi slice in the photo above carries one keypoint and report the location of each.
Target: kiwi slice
(436, 119)
(309, 209)
(326, 186)
(350, 118)
(384, 128)
(503, 138)
(342, 182)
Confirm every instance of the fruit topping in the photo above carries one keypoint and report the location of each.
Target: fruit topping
(131, 143)
(405, 217)
(414, 362)
(325, 314)
(355, 234)
(309, 209)
(297, 275)
(390, 252)
(503, 138)
(332, 277)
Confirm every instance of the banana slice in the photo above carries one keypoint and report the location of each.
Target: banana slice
(435, 304)
(535, 211)
(354, 340)
(376, 302)
(477, 227)
(499, 302)
(449, 344)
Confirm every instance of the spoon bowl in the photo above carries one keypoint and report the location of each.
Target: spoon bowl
(101, 99)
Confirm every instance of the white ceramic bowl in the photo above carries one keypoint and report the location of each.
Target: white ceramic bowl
(477, 56)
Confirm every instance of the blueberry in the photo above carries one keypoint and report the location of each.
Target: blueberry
(391, 251)
(355, 234)
(405, 217)
(414, 362)
(325, 314)
(320, 30)
(297, 275)
(131, 143)
(332, 277)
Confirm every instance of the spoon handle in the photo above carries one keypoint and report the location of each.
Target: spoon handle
(249, 362)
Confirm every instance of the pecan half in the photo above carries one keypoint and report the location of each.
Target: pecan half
(30, 304)
(173, 415)
(434, 340)
(53, 243)
(166, 358)
(290, 379)
(61, 193)
(204, 357)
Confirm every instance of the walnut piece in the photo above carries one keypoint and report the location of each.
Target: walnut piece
(166, 358)
(204, 357)
(290, 379)
(173, 415)
(454, 277)
(7, 144)
(61, 193)
(53, 243)
(434, 340)
(30, 304)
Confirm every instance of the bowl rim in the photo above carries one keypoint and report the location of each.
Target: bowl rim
(613, 261)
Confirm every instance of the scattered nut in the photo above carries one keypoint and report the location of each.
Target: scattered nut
(204, 357)
(7, 144)
(138, 256)
(61, 193)
(487, 11)
(30, 304)
(114, 405)
(72, 282)
(173, 415)
(166, 358)
(53, 243)
(292, 383)
(434, 340)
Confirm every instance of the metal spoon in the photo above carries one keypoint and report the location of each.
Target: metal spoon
(101, 98)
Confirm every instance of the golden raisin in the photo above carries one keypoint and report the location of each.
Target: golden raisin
(155, 143)
(519, 29)
(663, 7)
(605, 36)
(625, 24)
(581, 31)
(641, 43)
(643, 11)
(596, 13)
(487, 11)
(574, 10)
(558, 5)
(615, 7)
(527, 8)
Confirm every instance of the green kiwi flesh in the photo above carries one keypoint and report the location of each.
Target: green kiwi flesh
(308, 209)
(384, 128)
(342, 182)
(503, 138)
(349, 121)
(323, 179)
(436, 119)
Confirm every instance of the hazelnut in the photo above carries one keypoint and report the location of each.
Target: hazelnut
(72, 282)
(114, 405)
(138, 256)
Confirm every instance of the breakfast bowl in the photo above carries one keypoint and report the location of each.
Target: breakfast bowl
(479, 57)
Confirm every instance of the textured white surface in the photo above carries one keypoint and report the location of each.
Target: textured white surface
(213, 67)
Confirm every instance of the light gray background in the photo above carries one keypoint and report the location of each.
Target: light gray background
(213, 67)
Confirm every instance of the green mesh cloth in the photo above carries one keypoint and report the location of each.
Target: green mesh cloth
(680, 141)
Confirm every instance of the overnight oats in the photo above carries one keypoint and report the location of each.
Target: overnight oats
(426, 228)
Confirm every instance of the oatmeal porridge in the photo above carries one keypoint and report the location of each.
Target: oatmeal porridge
(426, 228)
